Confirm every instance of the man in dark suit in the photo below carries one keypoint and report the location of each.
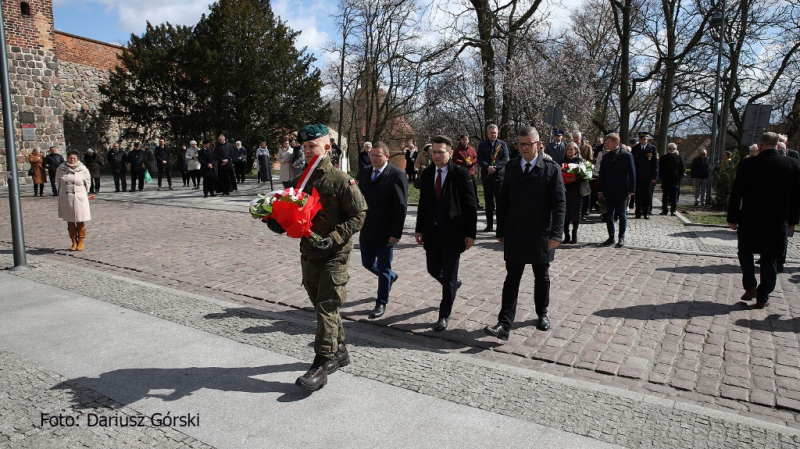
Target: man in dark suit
(492, 157)
(137, 162)
(385, 188)
(117, 159)
(616, 184)
(208, 168)
(226, 156)
(447, 218)
(645, 157)
(763, 207)
(530, 223)
(163, 156)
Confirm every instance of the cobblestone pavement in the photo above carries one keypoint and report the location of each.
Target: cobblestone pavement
(650, 320)
(608, 414)
(31, 398)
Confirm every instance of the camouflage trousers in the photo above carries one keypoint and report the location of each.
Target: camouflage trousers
(325, 281)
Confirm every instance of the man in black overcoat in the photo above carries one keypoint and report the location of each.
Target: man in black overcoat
(117, 159)
(163, 157)
(763, 206)
(136, 159)
(226, 155)
(671, 170)
(530, 225)
(385, 188)
(447, 218)
(208, 168)
(645, 157)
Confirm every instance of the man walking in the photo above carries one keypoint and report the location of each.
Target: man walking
(530, 223)
(385, 188)
(51, 163)
(645, 157)
(492, 157)
(700, 178)
(240, 165)
(616, 185)
(136, 161)
(763, 207)
(117, 158)
(671, 169)
(225, 156)
(447, 218)
(163, 155)
(324, 262)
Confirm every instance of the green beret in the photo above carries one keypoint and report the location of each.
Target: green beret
(311, 132)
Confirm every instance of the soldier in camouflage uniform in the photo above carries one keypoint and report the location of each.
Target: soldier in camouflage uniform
(325, 263)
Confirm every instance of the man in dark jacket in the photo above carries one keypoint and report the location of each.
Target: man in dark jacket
(492, 157)
(117, 159)
(671, 170)
(616, 184)
(530, 219)
(764, 205)
(208, 168)
(137, 163)
(240, 164)
(51, 163)
(363, 156)
(225, 158)
(163, 155)
(645, 156)
(447, 218)
(699, 174)
(557, 147)
(385, 189)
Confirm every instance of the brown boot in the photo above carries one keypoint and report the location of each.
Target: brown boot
(81, 227)
(73, 234)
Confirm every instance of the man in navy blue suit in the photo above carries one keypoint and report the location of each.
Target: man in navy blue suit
(492, 157)
(617, 184)
(385, 187)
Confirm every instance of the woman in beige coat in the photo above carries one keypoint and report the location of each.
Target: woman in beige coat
(74, 181)
(285, 153)
(38, 173)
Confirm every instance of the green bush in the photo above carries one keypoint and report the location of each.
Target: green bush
(723, 182)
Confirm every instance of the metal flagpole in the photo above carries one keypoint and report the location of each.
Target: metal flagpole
(17, 238)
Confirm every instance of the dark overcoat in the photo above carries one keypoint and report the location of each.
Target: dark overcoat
(617, 175)
(207, 156)
(531, 211)
(462, 205)
(765, 202)
(387, 199)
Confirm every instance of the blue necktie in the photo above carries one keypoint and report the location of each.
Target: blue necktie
(375, 174)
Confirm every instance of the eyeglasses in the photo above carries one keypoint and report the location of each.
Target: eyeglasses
(439, 152)
(527, 144)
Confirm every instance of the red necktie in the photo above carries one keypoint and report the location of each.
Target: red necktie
(438, 188)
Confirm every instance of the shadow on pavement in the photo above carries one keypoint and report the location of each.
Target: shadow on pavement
(772, 323)
(721, 233)
(131, 385)
(710, 269)
(680, 309)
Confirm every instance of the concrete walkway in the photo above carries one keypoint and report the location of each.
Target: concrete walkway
(241, 396)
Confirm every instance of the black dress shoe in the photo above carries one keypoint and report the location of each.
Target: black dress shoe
(396, 277)
(498, 331)
(544, 323)
(377, 312)
(646, 217)
(663, 212)
(440, 325)
(458, 284)
(316, 377)
(609, 241)
(621, 243)
(488, 229)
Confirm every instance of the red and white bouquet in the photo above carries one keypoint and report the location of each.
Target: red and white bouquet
(581, 171)
(292, 209)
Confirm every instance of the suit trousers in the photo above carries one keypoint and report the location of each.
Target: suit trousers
(644, 197)
(209, 184)
(161, 169)
(491, 195)
(442, 260)
(240, 169)
(52, 176)
(120, 178)
(541, 291)
(669, 196)
(225, 181)
(378, 260)
(138, 174)
(617, 208)
(769, 274)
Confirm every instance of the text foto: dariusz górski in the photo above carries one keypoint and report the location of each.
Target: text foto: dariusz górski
(120, 420)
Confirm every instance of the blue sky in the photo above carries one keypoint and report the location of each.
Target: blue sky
(113, 21)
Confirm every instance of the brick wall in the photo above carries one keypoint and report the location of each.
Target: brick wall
(29, 31)
(85, 51)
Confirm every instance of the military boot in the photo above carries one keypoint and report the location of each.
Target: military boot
(316, 377)
(341, 358)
